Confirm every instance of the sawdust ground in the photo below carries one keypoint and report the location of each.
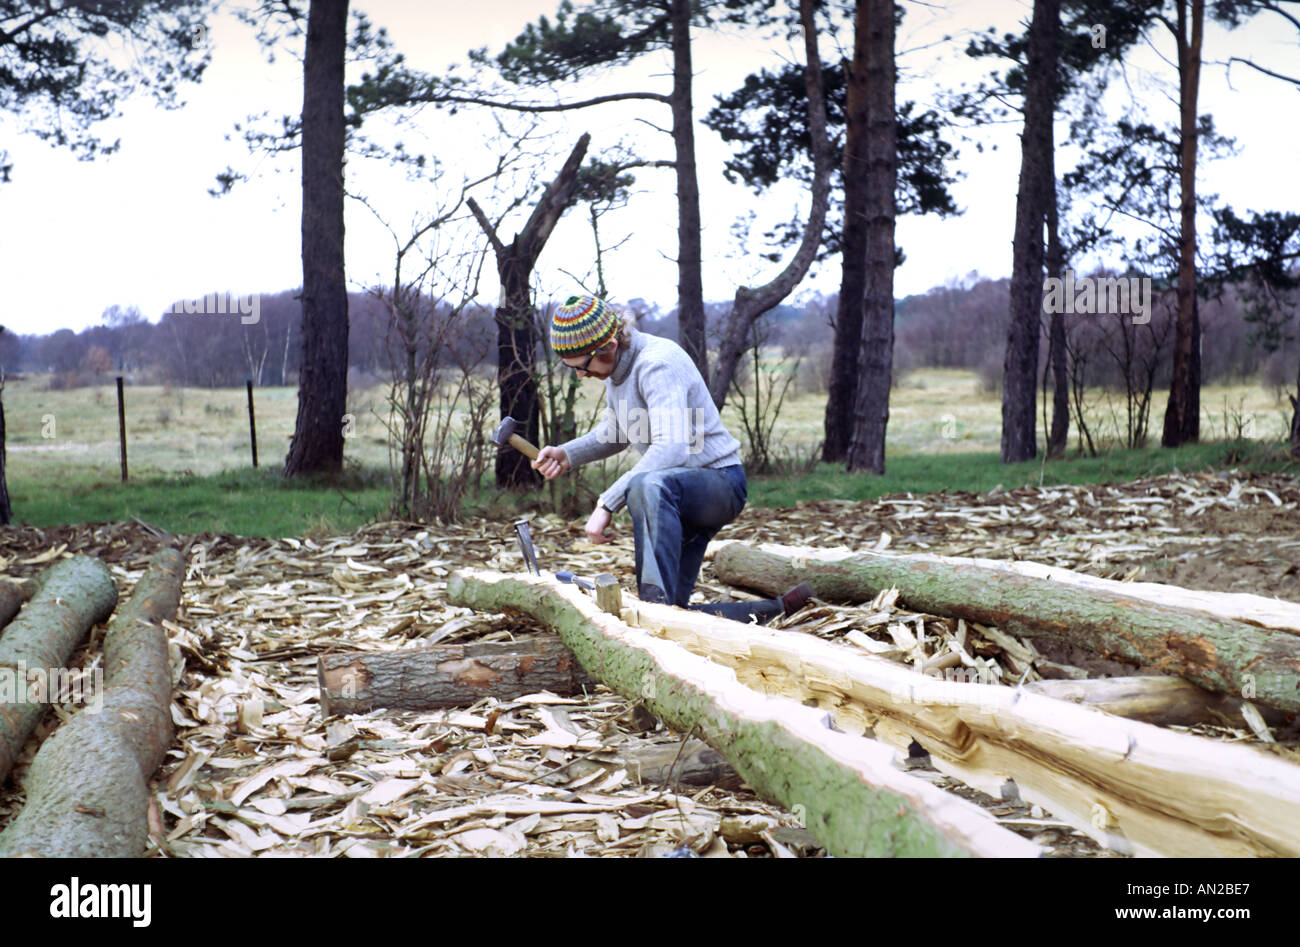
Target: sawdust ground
(1225, 533)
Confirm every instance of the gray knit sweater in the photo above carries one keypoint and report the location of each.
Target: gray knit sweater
(657, 402)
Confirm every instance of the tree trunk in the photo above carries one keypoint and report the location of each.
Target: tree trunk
(842, 396)
(1220, 655)
(87, 793)
(517, 336)
(1059, 434)
(752, 302)
(845, 789)
(876, 361)
(690, 284)
(447, 675)
(1131, 786)
(1020, 368)
(317, 445)
(1295, 420)
(1183, 413)
(516, 378)
(6, 513)
(76, 593)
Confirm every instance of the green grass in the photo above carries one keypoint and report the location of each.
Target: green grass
(189, 459)
(980, 472)
(244, 503)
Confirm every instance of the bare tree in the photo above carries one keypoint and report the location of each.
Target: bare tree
(433, 358)
(517, 334)
(752, 302)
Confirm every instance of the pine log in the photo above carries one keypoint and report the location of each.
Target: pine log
(845, 789)
(12, 596)
(87, 792)
(76, 593)
(1169, 701)
(1221, 655)
(1134, 787)
(452, 675)
(1237, 606)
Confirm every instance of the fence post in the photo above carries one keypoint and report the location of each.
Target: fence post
(121, 424)
(252, 425)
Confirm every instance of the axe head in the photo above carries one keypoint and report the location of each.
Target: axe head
(526, 546)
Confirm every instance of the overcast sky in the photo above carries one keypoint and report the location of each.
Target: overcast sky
(139, 228)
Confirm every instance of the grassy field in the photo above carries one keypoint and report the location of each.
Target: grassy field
(190, 461)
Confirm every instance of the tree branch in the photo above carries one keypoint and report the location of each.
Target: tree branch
(533, 107)
(488, 229)
(1267, 72)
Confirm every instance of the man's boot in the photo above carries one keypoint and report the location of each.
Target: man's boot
(762, 611)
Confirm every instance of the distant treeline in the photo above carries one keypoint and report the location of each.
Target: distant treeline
(956, 326)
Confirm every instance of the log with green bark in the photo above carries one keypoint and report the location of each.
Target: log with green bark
(1219, 654)
(76, 593)
(1134, 787)
(87, 790)
(453, 675)
(845, 789)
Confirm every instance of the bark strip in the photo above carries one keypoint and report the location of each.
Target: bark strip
(87, 792)
(453, 675)
(1227, 657)
(76, 593)
(845, 789)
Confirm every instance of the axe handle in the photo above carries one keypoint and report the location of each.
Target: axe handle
(521, 445)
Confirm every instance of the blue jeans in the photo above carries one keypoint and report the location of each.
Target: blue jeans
(675, 512)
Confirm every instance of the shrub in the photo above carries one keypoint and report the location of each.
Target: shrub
(990, 372)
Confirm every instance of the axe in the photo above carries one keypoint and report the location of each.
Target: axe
(505, 435)
(529, 553)
(564, 575)
(526, 544)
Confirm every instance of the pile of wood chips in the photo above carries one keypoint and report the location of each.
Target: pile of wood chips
(258, 771)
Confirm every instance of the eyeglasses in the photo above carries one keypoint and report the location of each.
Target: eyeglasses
(585, 365)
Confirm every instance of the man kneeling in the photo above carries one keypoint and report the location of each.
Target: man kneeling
(689, 482)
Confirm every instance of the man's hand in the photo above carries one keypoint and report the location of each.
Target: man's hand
(551, 462)
(597, 525)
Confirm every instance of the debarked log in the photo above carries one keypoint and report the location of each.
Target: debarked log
(1221, 655)
(846, 789)
(454, 675)
(1134, 787)
(76, 593)
(1155, 699)
(87, 791)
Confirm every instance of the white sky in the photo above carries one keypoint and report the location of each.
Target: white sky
(139, 228)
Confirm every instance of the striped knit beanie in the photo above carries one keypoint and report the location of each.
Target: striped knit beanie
(582, 325)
